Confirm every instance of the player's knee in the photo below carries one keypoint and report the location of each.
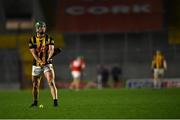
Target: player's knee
(51, 84)
(35, 85)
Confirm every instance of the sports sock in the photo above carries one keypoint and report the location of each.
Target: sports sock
(55, 102)
(35, 102)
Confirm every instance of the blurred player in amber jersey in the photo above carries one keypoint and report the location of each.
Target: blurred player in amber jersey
(159, 66)
(77, 66)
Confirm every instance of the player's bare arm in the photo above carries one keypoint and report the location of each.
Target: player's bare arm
(51, 51)
(165, 65)
(36, 57)
(152, 65)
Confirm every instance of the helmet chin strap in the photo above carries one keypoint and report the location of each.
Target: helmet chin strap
(41, 33)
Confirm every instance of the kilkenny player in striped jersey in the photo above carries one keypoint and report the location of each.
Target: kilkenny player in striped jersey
(41, 47)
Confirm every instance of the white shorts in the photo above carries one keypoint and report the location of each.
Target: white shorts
(159, 72)
(37, 70)
(76, 74)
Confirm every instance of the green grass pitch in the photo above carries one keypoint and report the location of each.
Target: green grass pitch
(93, 103)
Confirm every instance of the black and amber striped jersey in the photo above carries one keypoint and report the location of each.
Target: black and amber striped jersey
(41, 46)
(158, 61)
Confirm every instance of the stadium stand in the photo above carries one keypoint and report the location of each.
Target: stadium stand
(10, 69)
(173, 21)
(16, 18)
(132, 50)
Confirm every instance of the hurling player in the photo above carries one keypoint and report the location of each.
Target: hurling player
(41, 47)
(159, 66)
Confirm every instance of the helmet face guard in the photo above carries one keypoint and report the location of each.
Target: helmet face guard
(40, 27)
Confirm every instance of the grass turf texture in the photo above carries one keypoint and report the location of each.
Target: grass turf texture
(93, 103)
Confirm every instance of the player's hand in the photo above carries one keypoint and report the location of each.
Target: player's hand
(49, 60)
(41, 62)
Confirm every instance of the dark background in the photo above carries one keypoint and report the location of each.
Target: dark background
(127, 39)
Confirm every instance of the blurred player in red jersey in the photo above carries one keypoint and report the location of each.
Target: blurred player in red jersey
(76, 67)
